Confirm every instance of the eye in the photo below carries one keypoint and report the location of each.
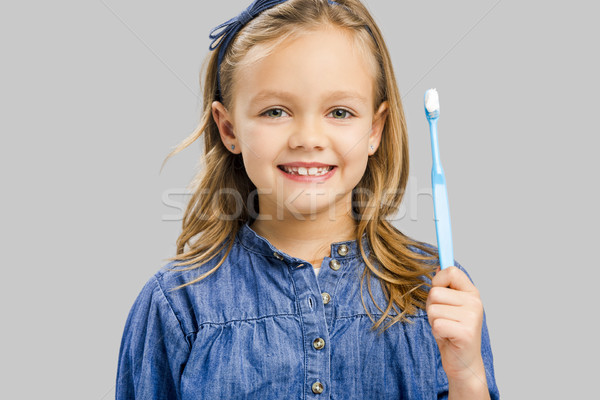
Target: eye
(340, 113)
(275, 113)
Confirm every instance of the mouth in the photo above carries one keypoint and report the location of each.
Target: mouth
(304, 171)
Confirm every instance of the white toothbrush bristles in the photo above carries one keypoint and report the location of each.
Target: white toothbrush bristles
(432, 100)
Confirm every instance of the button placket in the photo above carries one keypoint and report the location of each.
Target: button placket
(314, 324)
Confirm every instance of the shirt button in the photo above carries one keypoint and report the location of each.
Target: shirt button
(326, 297)
(317, 388)
(278, 256)
(334, 264)
(343, 250)
(318, 343)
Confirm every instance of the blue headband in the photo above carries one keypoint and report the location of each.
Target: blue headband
(223, 34)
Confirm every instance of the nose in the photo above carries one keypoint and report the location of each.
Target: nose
(308, 133)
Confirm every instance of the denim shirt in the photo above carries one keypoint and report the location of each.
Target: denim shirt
(265, 326)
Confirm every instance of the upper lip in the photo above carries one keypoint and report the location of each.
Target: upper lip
(306, 164)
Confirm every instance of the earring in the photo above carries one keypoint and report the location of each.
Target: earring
(372, 148)
(232, 146)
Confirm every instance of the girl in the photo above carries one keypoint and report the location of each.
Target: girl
(305, 156)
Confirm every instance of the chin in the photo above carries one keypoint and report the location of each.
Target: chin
(304, 210)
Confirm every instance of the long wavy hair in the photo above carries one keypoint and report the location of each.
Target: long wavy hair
(205, 230)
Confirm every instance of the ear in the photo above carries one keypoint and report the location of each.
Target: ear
(377, 127)
(223, 119)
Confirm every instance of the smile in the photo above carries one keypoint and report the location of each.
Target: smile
(308, 174)
(313, 171)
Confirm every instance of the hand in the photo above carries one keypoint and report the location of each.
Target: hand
(455, 314)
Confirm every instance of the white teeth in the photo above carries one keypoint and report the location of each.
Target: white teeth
(312, 171)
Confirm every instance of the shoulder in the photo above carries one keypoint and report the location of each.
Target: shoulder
(200, 291)
(156, 302)
(177, 272)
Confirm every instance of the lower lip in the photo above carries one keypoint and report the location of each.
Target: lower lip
(308, 178)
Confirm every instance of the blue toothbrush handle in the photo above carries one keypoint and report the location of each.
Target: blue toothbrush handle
(441, 207)
(442, 219)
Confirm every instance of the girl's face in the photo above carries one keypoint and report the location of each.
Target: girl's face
(311, 101)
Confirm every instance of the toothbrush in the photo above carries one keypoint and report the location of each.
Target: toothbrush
(438, 184)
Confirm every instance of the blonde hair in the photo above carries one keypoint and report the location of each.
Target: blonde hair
(378, 195)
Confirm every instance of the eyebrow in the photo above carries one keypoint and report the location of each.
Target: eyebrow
(336, 95)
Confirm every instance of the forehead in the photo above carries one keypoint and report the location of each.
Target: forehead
(314, 64)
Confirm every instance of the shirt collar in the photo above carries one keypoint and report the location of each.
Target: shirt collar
(258, 244)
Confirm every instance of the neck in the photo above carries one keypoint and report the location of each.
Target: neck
(309, 238)
(306, 231)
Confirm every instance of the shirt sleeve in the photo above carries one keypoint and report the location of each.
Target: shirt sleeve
(154, 349)
(486, 355)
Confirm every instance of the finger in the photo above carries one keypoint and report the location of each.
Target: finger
(453, 313)
(447, 329)
(444, 295)
(453, 278)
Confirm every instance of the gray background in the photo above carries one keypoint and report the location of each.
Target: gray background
(95, 94)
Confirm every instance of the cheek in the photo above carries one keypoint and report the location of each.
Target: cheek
(354, 148)
(353, 145)
(259, 152)
(258, 172)
(261, 144)
(356, 166)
